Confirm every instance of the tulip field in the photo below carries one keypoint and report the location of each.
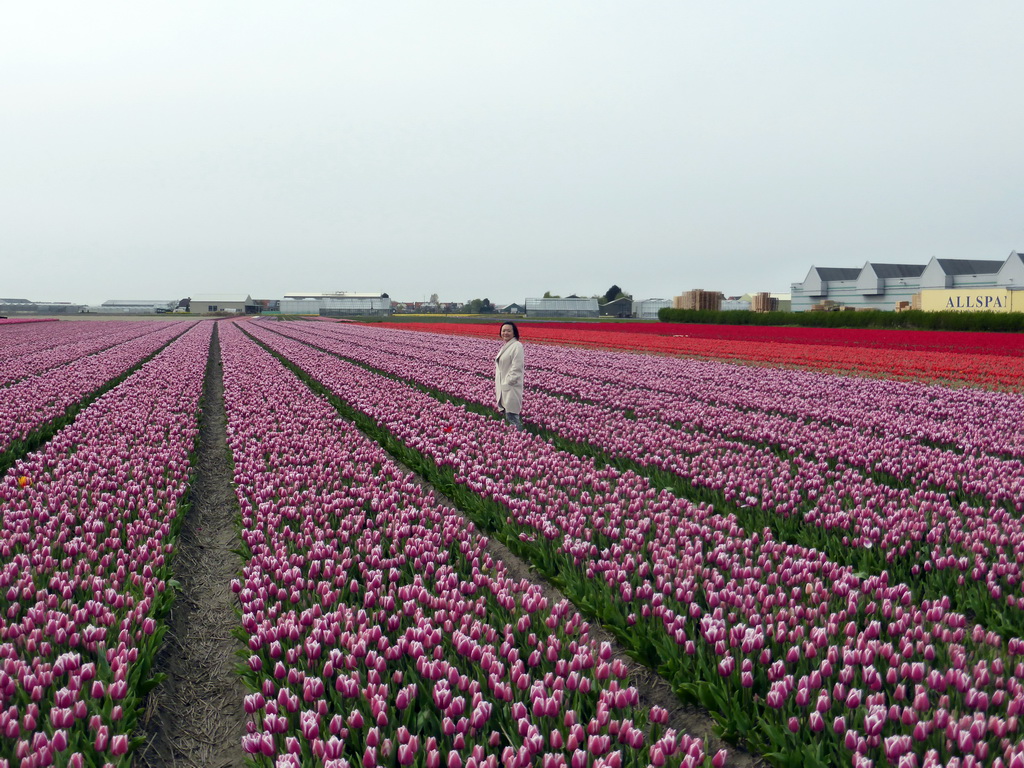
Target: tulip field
(380, 630)
(48, 368)
(829, 565)
(84, 555)
(993, 360)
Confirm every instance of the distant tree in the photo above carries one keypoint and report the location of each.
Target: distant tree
(614, 293)
(550, 295)
(434, 299)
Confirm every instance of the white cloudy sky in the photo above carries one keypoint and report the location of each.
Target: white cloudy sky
(475, 148)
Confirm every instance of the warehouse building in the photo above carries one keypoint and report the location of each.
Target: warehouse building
(620, 307)
(336, 304)
(647, 309)
(738, 304)
(959, 273)
(974, 286)
(970, 299)
(27, 307)
(572, 306)
(375, 305)
(136, 306)
(238, 303)
(288, 306)
(888, 286)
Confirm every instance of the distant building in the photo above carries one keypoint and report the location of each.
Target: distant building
(24, 306)
(288, 306)
(238, 303)
(764, 302)
(138, 306)
(821, 283)
(970, 299)
(572, 306)
(513, 309)
(267, 305)
(356, 306)
(699, 299)
(620, 307)
(17, 305)
(336, 304)
(892, 286)
(647, 309)
(1011, 274)
(332, 295)
(958, 273)
(740, 304)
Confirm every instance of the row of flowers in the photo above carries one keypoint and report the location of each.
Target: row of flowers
(905, 361)
(47, 393)
(801, 656)
(785, 408)
(846, 483)
(87, 530)
(381, 631)
(790, 409)
(35, 348)
(979, 343)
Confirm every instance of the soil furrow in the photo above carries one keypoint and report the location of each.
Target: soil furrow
(195, 717)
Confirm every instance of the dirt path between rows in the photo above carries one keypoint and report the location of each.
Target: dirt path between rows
(195, 718)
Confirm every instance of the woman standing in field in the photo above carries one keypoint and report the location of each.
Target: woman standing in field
(508, 375)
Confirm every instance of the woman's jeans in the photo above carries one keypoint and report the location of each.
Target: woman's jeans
(514, 419)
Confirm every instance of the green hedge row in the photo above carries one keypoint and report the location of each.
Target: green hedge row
(871, 318)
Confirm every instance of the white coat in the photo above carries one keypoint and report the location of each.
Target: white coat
(508, 376)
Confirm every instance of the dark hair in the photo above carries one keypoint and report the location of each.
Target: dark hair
(515, 329)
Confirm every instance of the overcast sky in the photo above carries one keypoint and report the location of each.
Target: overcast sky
(500, 150)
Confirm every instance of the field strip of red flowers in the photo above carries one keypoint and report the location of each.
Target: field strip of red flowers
(828, 565)
(993, 360)
(798, 654)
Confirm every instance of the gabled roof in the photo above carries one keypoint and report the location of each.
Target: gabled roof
(838, 273)
(897, 270)
(969, 266)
